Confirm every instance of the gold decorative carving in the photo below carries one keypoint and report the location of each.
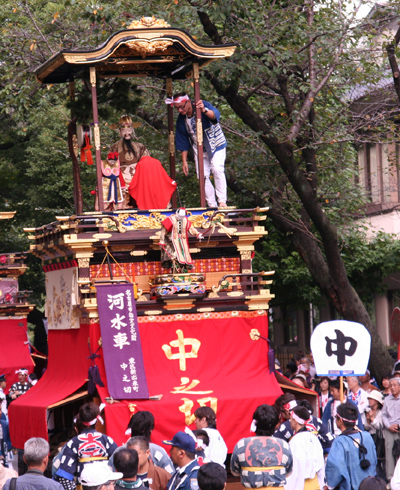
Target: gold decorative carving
(254, 334)
(141, 222)
(263, 294)
(110, 225)
(171, 143)
(199, 220)
(75, 145)
(96, 133)
(235, 294)
(245, 254)
(122, 248)
(207, 244)
(213, 295)
(205, 310)
(83, 263)
(101, 236)
(199, 131)
(221, 285)
(257, 306)
(138, 253)
(226, 230)
(92, 72)
(71, 58)
(153, 312)
(225, 52)
(145, 48)
(247, 271)
(146, 22)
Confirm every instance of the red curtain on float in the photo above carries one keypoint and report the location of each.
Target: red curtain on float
(66, 372)
(14, 349)
(213, 359)
(190, 360)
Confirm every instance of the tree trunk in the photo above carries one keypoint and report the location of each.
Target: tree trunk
(326, 265)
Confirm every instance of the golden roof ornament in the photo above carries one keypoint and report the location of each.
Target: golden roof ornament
(146, 22)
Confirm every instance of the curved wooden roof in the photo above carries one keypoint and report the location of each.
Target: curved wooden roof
(145, 51)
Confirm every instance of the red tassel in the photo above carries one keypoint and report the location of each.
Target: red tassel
(89, 157)
(86, 154)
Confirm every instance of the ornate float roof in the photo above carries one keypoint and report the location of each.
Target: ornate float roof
(149, 47)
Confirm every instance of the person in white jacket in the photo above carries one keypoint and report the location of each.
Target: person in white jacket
(308, 456)
(206, 420)
(395, 481)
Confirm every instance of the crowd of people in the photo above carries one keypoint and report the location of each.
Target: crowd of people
(352, 443)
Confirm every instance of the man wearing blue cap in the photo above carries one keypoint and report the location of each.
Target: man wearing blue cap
(182, 453)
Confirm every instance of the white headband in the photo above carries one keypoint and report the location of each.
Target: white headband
(177, 100)
(98, 418)
(298, 419)
(22, 371)
(200, 444)
(253, 426)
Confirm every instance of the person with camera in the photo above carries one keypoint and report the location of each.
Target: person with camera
(352, 457)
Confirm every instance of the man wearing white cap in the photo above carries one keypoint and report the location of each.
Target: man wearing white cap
(99, 476)
(21, 386)
(214, 142)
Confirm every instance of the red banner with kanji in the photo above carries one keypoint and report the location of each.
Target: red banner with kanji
(213, 359)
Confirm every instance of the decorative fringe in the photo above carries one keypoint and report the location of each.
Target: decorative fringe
(86, 154)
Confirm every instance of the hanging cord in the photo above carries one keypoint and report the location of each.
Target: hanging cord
(94, 378)
(108, 255)
(179, 196)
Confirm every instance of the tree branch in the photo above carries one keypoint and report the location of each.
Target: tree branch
(209, 27)
(390, 49)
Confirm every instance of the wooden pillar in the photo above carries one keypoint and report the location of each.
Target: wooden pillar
(171, 139)
(72, 144)
(96, 133)
(199, 132)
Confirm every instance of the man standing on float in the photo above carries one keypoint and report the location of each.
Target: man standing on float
(214, 142)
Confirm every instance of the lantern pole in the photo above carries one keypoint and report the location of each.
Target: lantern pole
(96, 133)
(199, 132)
(171, 139)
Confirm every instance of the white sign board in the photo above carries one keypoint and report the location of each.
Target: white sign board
(341, 348)
(61, 299)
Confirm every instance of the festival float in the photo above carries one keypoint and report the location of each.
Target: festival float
(137, 325)
(15, 307)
